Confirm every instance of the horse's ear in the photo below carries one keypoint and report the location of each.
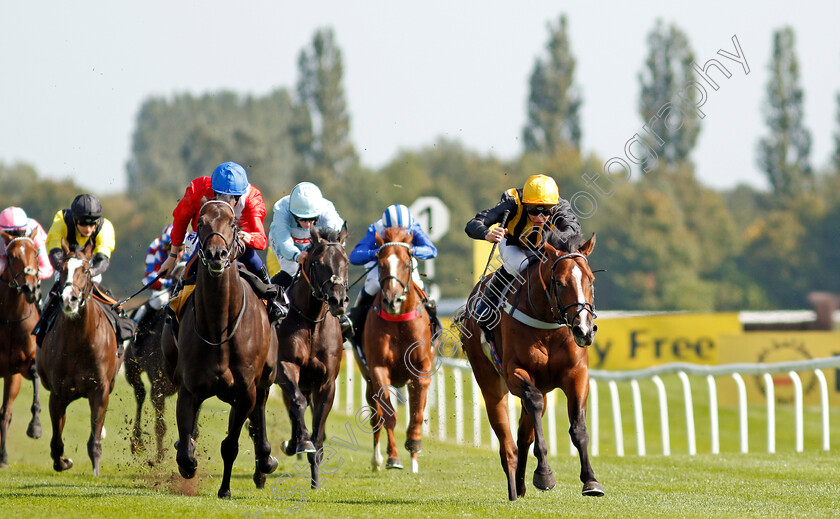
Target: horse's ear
(6, 236)
(379, 241)
(88, 250)
(586, 248)
(203, 200)
(313, 234)
(64, 247)
(343, 234)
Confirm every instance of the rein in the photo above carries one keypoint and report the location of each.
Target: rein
(552, 294)
(231, 333)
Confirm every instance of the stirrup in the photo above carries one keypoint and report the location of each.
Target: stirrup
(346, 323)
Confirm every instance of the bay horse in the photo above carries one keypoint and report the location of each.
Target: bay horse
(148, 340)
(397, 344)
(225, 348)
(311, 344)
(543, 334)
(78, 358)
(19, 292)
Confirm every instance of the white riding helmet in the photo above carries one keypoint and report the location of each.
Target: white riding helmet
(306, 201)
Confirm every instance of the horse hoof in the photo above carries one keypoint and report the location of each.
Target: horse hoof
(287, 448)
(305, 447)
(593, 489)
(3, 465)
(259, 480)
(544, 481)
(186, 472)
(62, 464)
(413, 446)
(269, 465)
(34, 430)
(394, 463)
(224, 494)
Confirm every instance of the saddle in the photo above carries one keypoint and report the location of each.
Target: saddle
(123, 326)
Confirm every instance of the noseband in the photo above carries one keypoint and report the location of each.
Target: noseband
(552, 293)
(26, 271)
(387, 278)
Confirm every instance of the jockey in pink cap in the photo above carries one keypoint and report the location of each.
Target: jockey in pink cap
(14, 221)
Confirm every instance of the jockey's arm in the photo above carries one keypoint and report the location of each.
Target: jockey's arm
(99, 264)
(422, 246)
(282, 242)
(251, 229)
(365, 250)
(479, 227)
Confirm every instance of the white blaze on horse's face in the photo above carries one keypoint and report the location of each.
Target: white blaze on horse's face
(393, 263)
(70, 301)
(586, 317)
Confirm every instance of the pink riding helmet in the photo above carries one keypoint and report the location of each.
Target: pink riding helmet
(13, 218)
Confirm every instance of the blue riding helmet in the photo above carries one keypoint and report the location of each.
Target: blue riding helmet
(397, 215)
(230, 179)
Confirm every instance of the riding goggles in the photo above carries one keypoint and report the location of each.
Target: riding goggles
(534, 210)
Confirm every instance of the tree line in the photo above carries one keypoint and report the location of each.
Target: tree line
(667, 242)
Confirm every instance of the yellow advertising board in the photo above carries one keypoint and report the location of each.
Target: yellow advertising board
(628, 343)
(481, 253)
(773, 347)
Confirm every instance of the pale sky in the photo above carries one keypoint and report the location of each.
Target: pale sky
(74, 74)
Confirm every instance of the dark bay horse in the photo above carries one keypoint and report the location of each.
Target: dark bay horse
(225, 348)
(78, 358)
(311, 344)
(19, 288)
(549, 352)
(397, 345)
(148, 338)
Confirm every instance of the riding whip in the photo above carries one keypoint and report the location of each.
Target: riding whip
(152, 282)
(493, 250)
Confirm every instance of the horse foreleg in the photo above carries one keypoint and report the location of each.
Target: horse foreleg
(417, 391)
(241, 407)
(132, 375)
(524, 439)
(576, 395)
(265, 462)
(534, 402)
(58, 409)
(288, 376)
(186, 411)
(159, 405)
(380, 380)
(33, 430)
(11, 387)
(98, 406)
(322, 401)
(376, 421)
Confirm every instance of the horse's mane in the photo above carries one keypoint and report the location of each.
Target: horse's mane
(389, 234)
(329, 235)
(564, 241)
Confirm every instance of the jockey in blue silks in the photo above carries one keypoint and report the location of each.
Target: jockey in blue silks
(365, 253)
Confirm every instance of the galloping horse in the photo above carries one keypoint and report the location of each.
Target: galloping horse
(78, 358)
(311, 344)
(225, 348)
(542, 334)
(397, 347)
(18, 315)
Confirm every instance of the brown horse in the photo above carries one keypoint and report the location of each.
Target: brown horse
(18, 314)
(311, 344)
(548, 352)
(225, 349)
(397, 346)
(78, 358)
(149, 333)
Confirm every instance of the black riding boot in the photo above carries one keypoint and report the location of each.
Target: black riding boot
(47, 315)
(277, 304)
(358, 315)
(431, 307)
(486, 308)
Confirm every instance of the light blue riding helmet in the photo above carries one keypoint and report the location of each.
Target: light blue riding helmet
(397, 215)
(230, 179)
(306, 201)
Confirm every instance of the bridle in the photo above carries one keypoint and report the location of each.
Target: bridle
(26, 271)
(318, 287)
(398, 280)
(229, 247)
(552, 293)
(86, 291)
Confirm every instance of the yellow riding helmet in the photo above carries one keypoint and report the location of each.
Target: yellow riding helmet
(540, 190)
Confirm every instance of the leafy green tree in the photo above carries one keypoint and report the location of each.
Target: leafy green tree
(665, 107)
(324, 134)
(554, 101)
(783, 154)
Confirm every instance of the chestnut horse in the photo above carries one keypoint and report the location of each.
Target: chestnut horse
(397, 345)
(78, 358)
(224, 348)
(542, 335)
(311, 343)
(19, 288)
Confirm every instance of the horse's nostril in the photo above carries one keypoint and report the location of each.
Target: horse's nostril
(577, 330)
(594, 328)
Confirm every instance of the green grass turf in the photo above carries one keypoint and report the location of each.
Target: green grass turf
(460, 481)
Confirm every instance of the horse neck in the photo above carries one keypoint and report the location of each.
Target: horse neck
(217, 300)
(12, 303)
(305, 301)
(534, 292)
